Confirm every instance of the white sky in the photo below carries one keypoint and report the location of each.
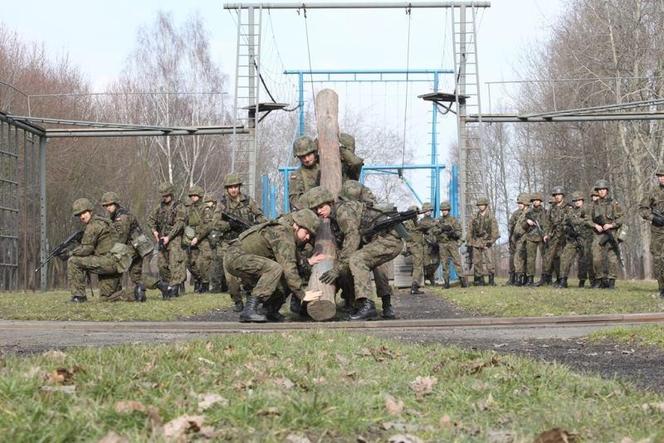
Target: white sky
(98, 35)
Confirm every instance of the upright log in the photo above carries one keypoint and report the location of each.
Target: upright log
(321, 297)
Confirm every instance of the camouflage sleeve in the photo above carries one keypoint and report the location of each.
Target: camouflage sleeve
(256, 211)
(206, 224)
(456, 226)
(645, 208)
(495, 231)
(618, 214)
(219, 223)
(282, 243)
(122, 225)
(591, 216)
(180, 217)
(152, 220)
(348, 219)
(88, 241)
(295, 189)
(353, 163)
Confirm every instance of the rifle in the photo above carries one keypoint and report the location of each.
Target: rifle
(538, 227)
(60, 250)
(609, 238)
(389, 221)
(658, 218)
(448, 231)
(235, 221)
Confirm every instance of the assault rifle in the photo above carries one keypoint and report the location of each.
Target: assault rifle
(609, 238)
(538, 227)
(658, 218)
(390, 220)
(62, 249)
(448, 231)
(237, 223)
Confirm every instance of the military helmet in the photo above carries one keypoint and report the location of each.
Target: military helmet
(482, 201)
(576, 195)
(352, 190)
(426, 206)
(536, 196)
(445, 206)
(166, 189)
(209, 198)
(523, 198)
(659, 171)
(109, 198)
(196, 190)
(601, 184)
(552, 200)
(413, 208)
(558, 190)
(232, 179)
(318, 196)
(307, 219)
(347, 141)
(593, 193)
(80, 206)
(303, 146)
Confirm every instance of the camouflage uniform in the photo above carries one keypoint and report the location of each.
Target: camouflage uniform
(654, 201)
(93, 256)
(519, 238)
(217, 226)
(167, 220)
(415, 247)
(482, 234)
(448, 231)
(605, 211)
(512, 240)
(426, 225)
(199, 223)
(576, 231)
(533, 237)
(557, 215)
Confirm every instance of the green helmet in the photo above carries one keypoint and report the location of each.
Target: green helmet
(523, 198)
(307, 219)
(109, 198)
(232, 179)
(426, 206)
(196, 190)
(659, 171)
(303, 145)
(352, 190)
(593, 193)
(552, 200)
(80, 206)
(412, 208)
(601, 184)
(558, 190)
(445, 206)
(318, 196)
(482, 201)
(536, 196)
(576, 195)
(209, 198)
(166, 189)
(347, 141)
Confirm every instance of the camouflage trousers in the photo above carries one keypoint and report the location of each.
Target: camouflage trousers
(104, 266)
(657, 251)
(380, 250)
(431, 261)
(199, 261)
(531, 256)
(136, 275)
(554, 250)
(521, 255)
(381, 280)
(605, 260)
(416, 250)
(217, 275)
(483, 262)
(263, 275)
(510, 260)
(172, 262)
(449, 251)
(574, 249)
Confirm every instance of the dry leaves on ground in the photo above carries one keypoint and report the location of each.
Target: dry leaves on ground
(476, 366)
(66, 389)
(62, 376)
(113, 437)
(405, 438)
(423, 386)
(393, 405)
(556, 435)
(269, 412)
(284, 383)
(128, 406)
(180, 426)
(653, 407)
(296, 438)
(206, 401)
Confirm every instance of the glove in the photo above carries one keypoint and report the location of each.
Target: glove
(330, 276)
(658, 220)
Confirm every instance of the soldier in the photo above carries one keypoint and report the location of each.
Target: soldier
(129, 232)
(245, 213)
(415, 248)
(167, 225)
(518, 236)
(198, 224)
(99, 253)
(431, 256)
(652, 210)
(534, 224)
(351, 164)
(554, 236)
(482, 234)
(606, 218)
(264, 259)
(217, 276)
(511, 224)
(576, 232)
(448, 232)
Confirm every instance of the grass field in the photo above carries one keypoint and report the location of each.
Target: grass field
(509, 301)
(56, 306)
(647, 335)
(316, 386)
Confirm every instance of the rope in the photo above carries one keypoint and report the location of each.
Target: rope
(306, 31)
(405, 111)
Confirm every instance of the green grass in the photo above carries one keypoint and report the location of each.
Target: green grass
(56, 306)
(648, 335)
(509, 301)
(325, 386)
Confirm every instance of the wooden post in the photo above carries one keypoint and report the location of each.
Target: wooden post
(321, 297)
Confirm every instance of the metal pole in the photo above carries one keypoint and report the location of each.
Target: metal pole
(359, 5)
(43, 240)
(435, 197)
(300, 100)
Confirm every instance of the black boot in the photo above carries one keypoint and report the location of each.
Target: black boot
(563, 283)
(520, 279)
(204, 287)
(530, 281)
(582, 283)
(511, 280)
(481, 281)
(238, 306)
(78, 298)
(367, 310)
(557, 283)
(463, 282)
(446, 283)
(661, 293)
(164, 288)
(492, 280)
(476, 281)
(272, 308)
(597, 283)
(197, 286)
(611, 284)
(388, 311)
(415, 289)
(295, 305)
(250, 311)
(605, 283)
(139, 293)
(545, 279)
(173, 291)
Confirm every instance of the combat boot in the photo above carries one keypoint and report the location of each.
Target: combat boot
(557, 283)
(661, 293)
(238, 306)
(446, 283)
(78, 298)
(481, 281)
(582, 283)
(250, 312)
(597, 283)
(545, 279)
(476, 281)
(164, 288)
(611, 284)
(272, 308)
(415, 289)
(366, 311)
(139, 293)
(173, 291)
(520, 280)
(388, 311)
(197, 286)
(530, 281)
(511, 280)
(463, 282)
(492, 280)
(295, 305)
(204, 287)
(563, 283)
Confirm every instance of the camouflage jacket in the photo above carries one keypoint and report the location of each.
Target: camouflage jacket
(416, 236)
(244, 208)
(300, 181)
(168, 219)
(539, 215)
(654, 199)
(347, 216)
(576, 228)
(605, 210)
(511, 225)
(520, 226)
(483, 230)
(351, 164)
(275, 241)
(556, 217)
(447, 229)
(98, 238)
(426, 226)
(199, 217)
(124, 223)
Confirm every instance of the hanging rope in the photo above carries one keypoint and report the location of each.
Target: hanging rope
(405, 111)
(311, 76)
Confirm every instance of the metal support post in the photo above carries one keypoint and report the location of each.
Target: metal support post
(300, 102)
(435, 191)
(43, 240)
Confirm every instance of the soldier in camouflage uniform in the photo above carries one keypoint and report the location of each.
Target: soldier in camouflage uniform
(166, 222)
(128, 229)
(426, 225)
(198, 225)
(606, 217)
(577, 232)
(217, 276)
(652, 210)
(415, 248)
(511, 224)
(236, 204)
(307, 176)
(94, 255)
(448, 231)
(554, 235)
(482, 234)
(264, 259)
(518, 236)
(534, 235)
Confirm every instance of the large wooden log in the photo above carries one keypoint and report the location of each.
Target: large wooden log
(320, 297)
